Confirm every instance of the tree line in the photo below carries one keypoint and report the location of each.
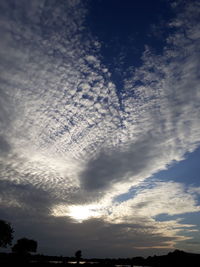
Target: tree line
(23, 246)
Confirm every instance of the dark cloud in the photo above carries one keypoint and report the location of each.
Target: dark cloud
(113, 166)
(95, 237)
(28, 210)
(33, 201)
(4, 146)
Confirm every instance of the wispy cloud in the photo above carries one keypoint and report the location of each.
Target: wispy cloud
(159, 198)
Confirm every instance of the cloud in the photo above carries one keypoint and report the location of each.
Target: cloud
(65, 140)
(138, 217)
(29, 199)
(108, 168)
(96, 237)
(4, 146)
(160, 121)
(155, 198)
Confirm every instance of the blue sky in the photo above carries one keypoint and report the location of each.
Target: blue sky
(186, 171)
(99, 121)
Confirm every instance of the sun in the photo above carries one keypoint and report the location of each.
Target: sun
(82, 212)
(78, 212)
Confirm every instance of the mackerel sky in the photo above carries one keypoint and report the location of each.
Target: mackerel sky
(100, 125)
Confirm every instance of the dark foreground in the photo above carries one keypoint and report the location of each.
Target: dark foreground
(172, 259)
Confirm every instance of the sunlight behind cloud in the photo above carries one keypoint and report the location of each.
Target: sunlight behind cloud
(77, 212)
(81, 213)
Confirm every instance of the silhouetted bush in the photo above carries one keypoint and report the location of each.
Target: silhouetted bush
(6, 234)
(24, 246)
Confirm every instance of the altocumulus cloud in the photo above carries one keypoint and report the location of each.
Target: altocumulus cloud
(66, 142)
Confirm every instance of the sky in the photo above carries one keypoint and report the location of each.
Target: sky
(100, 125)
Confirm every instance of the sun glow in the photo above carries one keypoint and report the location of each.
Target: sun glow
(77, 212)
(81, 213)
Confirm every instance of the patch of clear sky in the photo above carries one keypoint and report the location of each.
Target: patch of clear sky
(124, 28)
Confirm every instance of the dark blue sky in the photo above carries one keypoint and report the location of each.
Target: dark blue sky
(124, 28)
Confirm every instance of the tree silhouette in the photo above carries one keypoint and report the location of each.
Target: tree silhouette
(6, 234)
(78, 256)
(24, 246)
